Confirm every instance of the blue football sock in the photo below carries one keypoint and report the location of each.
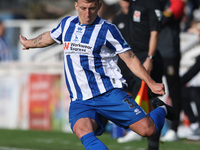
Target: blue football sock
(91, 142)
(158, 117)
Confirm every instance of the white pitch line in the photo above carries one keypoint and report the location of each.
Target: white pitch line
(14, 148)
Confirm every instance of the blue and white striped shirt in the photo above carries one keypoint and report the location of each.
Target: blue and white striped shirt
(90, 56)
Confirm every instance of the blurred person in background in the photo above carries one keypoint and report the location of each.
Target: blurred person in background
(169, 47)
(191, 93)
(4, 50)
(139, 23)
(195, 28)
(107, 10)
(190, 7)
(121, 20)
(93, 78)
(190, 83)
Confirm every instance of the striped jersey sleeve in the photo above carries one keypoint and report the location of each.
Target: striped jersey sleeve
(115, 40)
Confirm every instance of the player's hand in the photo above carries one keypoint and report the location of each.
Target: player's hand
(158, 88)
(23, 41)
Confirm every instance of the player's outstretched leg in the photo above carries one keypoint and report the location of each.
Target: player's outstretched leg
(161, 112)
(170, 110)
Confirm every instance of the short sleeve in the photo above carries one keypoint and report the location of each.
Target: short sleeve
(115, 41)
(155, 14)
(56, 34)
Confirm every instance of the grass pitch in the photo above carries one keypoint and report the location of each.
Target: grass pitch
(52, 140)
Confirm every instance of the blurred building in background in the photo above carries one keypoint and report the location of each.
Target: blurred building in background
(13, 10)
(35, 9)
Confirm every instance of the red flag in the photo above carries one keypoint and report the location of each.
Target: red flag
(142, 97)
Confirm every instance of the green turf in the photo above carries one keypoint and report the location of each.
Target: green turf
(52, 140)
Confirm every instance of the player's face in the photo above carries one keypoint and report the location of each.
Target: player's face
(87, 11)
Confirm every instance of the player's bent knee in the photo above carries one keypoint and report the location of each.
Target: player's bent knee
(144, 127)
(80, 132)
(146, 132)
(84, 126)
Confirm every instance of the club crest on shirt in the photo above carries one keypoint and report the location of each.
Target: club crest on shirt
(78, 34)
(137, 16)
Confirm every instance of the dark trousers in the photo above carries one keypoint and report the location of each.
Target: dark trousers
(171, 72)
(191, 94)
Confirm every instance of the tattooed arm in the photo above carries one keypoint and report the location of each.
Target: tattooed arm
(42, 40)
(138, 69)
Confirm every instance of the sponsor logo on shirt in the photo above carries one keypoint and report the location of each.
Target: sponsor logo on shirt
(77, 48)
(66, 45)
(136, 16)
(79, 30)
